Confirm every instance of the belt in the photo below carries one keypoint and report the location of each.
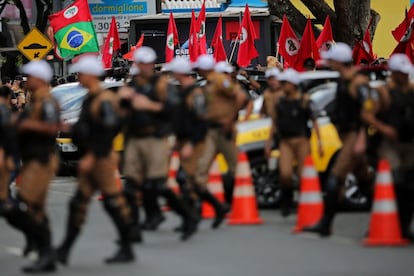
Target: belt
(142, 131)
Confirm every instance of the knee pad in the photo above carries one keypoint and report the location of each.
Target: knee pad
(115, 204)
(181, 177)
(130, 189)
(77, 208)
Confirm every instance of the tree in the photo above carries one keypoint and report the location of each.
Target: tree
(44, 8)
(349, 18)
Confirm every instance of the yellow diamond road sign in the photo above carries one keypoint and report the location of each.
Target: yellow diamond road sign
(35, 45)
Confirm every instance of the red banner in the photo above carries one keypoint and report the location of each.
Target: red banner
(233, 28)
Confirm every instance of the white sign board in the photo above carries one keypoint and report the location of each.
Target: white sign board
(123, 10)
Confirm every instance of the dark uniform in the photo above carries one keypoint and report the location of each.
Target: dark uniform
(7, 147)
(347, 117)
(192, 129)
(94, 132)
(398, 113)
(39, 166)
(146, 157)
(291, 119)
(221, 111)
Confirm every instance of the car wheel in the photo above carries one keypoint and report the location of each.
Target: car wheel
(266, 183)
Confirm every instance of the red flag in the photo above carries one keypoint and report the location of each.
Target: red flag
(217, 43)
(325, 39)
(288, 43)
(130, 55)
(201, 30)
(399, 32)
(112, 43)
(172, 39)
(308, 47)
(193, 39)
(405, 46)
(247, 36)
(363, 50)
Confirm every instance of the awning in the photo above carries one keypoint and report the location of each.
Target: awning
(252, 3)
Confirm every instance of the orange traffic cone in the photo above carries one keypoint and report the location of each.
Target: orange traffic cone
(310, 206)
(244, 209)
(118, 182)
(215, 186)
(384, 226)
(172, 175)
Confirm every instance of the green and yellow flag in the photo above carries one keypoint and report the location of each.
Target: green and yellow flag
(73, 30)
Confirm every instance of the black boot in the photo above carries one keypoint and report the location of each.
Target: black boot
(153, 214)
(220, 209)
(124, 253)
(192, 204)
(228, 185)
(11, 214)
(286, 202)
(30, 245)
(323, 227)
(46, 260)
(63, 251)
(189, 218)
(130, 193)
(76, 216)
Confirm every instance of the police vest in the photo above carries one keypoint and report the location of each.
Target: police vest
(401, 114)
(145, 123)
(347, 110)
(292, 118)
(35, 145)
(98, 124)
(187, 124)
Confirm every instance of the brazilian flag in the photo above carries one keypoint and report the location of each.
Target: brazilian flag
(73, 30)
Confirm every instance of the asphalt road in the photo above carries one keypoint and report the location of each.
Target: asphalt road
(269, 249)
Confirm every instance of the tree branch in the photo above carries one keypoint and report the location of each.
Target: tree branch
(295, 17)
(376, 17)
(320, 9)
(44, 8)
(23, 16)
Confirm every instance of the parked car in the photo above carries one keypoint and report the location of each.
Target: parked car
(252, 136)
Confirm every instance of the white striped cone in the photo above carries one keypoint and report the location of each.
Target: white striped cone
(172, 174)
(244, 209)
(384, 226)
(310, 207)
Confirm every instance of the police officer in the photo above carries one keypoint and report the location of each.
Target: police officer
(292, 114)
(94, 132)
(350, 98)
(39, 124)
(146, 155)
(191, 129)
(395, 121)
(220, 114)
(7, 147)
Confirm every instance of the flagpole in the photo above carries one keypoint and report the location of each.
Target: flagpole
(277, 50)
(237, 40)
(233, 50)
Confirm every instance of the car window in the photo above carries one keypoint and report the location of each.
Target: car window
(70, 98)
